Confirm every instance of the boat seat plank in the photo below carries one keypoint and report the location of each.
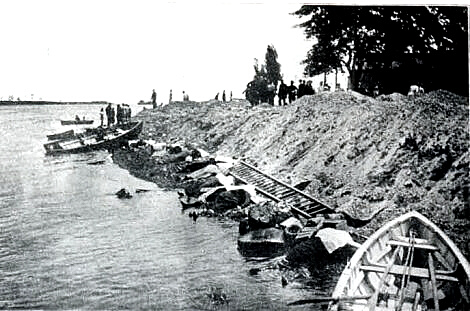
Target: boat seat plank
(414, 271)
(415, 245)
(407, 239)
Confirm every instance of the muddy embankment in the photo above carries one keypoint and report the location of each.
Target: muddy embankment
(356, 153)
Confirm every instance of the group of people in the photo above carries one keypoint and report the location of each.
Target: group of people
(293, 92)
(121, 115)
(224, 98)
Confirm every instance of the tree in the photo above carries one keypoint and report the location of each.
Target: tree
(264, 84)
(368, 39)
(273, 68)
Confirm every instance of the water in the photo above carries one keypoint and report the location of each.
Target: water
(67, 242)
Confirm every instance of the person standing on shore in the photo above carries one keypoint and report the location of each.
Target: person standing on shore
(171, 97)
(282, 94)
(108, 114)
(292, 91)
(154, 99)
(119, 114)
(223, 96)
(102, 116)
(112, 116)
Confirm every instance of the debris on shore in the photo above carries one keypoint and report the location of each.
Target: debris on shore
(359, 154)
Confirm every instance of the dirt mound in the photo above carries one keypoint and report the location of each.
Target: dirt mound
(357, 153)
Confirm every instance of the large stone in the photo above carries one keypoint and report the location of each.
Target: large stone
(267, 214)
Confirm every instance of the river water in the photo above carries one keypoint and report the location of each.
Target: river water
(67, 242)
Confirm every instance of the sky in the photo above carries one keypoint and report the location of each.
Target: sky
(119, 51)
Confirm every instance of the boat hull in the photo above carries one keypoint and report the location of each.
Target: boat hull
(64, 135)
(408, 250)
(92, 142)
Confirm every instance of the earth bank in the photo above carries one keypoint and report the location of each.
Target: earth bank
(354, 152)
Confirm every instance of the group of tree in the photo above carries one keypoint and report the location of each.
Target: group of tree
(262, 88)
(389, 46)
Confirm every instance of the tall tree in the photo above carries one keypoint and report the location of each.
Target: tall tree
(264, 84)
(361, 38)
(273, 68)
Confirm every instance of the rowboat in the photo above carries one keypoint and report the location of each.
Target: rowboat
(75, 122)
(408, 264)
(95, 139)
(63, 135)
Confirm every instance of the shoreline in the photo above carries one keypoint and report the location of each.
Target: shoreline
(401, 164)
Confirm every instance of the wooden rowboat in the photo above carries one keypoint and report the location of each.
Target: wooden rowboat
(63, 135)
(95, 139)
(408, 264)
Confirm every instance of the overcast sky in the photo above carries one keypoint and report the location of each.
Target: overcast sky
(120, 50)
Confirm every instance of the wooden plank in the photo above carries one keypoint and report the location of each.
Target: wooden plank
(373, 300)
(414, 271)
(415, 245)
(318, 211)
(432, 273)
(287, 195)
(311, 205)
(300, 212)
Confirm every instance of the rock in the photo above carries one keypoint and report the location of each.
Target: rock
(123, 194)
(267, 214)
(262, 243)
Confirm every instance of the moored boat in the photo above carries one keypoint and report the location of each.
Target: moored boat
(76, 122)
(95, 139)
(63, 135)
(408, 264)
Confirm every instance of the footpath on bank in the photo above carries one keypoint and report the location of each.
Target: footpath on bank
(357, 154)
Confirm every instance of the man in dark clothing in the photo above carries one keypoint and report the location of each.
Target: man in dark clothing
(108, 114)
(119, 114)
(223, 96)
(102, 116)
(309, 88)
(301, 90)
(292, 91)
(112, 115)
(154, 99)
(282, 93)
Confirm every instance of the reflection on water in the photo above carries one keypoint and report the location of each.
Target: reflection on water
(67, 241)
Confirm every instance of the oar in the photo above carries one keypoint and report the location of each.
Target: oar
(318, 299)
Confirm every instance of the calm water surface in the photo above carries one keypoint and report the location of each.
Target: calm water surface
(67, 242)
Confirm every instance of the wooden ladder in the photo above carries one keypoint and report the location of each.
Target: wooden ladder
(276, 190)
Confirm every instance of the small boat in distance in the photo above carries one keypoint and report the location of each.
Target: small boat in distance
(95, 139)
(408, 264)
(77, 121)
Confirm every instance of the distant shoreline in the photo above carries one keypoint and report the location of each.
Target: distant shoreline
(41, 102)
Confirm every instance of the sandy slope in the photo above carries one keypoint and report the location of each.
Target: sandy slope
(358, 153)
